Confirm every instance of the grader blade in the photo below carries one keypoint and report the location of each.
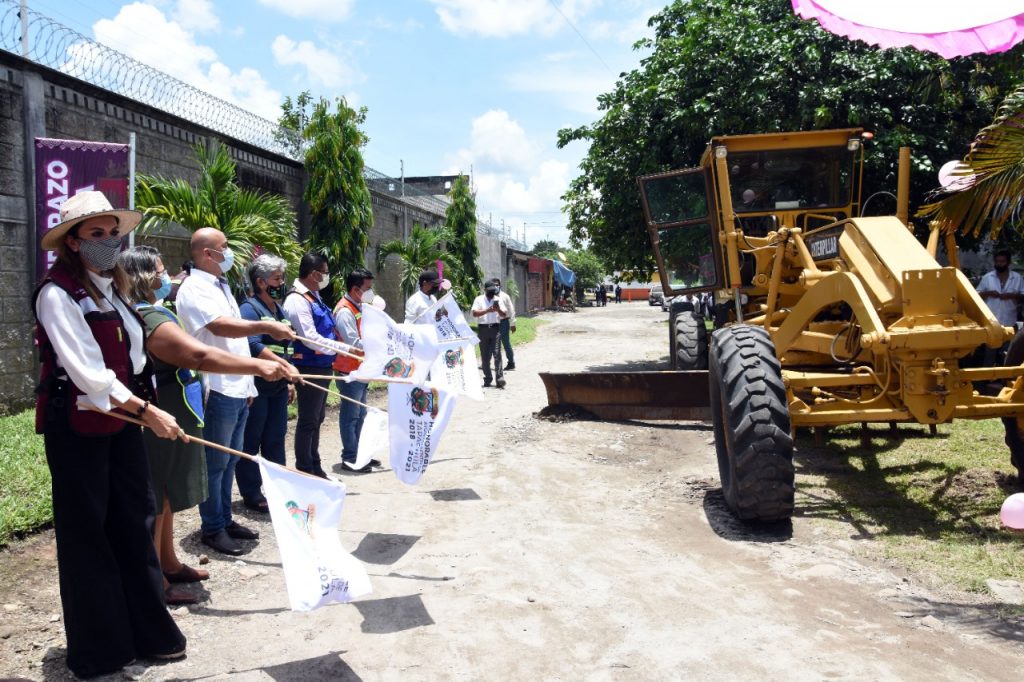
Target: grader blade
(632, 395)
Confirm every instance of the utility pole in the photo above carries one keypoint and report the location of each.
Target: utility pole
(401, 165)
(23, 15)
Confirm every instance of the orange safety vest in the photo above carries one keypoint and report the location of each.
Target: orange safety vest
(343, 363)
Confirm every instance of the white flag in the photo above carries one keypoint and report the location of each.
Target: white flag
(306, 512)
(456, 370)
(417, 416)
(450, 322)
(373, 437)
(395, 351)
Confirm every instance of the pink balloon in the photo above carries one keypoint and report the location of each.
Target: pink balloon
(1012, 511)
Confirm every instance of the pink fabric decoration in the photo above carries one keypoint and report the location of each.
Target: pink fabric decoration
(998, 36)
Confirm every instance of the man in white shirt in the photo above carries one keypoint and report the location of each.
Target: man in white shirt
(507, 325)
(312, 318)
(1002, 289)
(209, 312)
(489, 311)
(429, 284)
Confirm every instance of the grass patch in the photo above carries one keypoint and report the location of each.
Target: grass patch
(931, 502)
(25, 496)
(526, 330)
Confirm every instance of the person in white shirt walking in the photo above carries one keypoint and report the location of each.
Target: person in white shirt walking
(489, 311)
(208, 311)
(1002, 289)
(507, 326)
(429, 284)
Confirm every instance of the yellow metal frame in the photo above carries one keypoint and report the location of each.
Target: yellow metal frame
(875, 334)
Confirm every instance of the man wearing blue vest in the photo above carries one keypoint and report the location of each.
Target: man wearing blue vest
(311, 318)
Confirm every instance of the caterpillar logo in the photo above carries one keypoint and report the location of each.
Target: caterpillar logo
(824, 246)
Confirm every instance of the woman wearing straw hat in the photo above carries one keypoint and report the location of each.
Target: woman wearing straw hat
(178, 469)
(91, 353)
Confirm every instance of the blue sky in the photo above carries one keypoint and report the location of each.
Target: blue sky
(448, 83)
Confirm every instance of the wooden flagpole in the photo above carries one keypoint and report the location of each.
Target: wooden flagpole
(188, 438)
(333, 350)
(386, 380)
(340, 395)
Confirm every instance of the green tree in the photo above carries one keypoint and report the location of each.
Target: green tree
(546, 248)
(460, 220)
(421, 251)
(340, 212)
(293, 120)
(588, 268)
(720, 67)
(252, 221)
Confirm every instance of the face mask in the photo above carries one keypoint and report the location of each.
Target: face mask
(325, 279)
(276, 293)
(165, 287)
(101, 253)
(229, 259)
(491, 293)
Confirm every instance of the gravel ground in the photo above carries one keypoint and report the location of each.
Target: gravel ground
(537, 549)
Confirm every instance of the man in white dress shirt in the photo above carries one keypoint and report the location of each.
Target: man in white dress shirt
(507, 326)
(1002, 290)
(489, 311)
(208, 311)
(424, 298)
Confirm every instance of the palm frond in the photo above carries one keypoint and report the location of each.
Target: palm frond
(994, 183)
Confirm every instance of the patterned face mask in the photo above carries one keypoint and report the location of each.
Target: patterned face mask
(101, 253)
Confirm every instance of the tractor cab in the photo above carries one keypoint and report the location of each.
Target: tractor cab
(747, 188)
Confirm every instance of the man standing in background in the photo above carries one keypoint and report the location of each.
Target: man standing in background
(507, 325)
(1002, 289)
(488, 311)
(429, 284)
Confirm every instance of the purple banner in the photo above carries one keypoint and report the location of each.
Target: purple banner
(65, 168)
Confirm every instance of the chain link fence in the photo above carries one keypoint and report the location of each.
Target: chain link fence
(47, 42)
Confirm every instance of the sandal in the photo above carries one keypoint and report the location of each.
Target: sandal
(187, 574)
(175, 596)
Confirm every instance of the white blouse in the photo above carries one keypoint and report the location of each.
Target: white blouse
(76, 349)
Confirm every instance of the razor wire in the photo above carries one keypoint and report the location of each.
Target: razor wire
(59, 47)
(64, 49)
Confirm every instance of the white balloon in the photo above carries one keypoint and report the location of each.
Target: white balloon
(954, 182)
(379, 302)
(446, 284)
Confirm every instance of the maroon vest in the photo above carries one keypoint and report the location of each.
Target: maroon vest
(56, 391)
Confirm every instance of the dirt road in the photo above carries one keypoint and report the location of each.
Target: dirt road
(540, 550)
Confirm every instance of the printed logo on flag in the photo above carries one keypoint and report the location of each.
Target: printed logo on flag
(453, 358)
(417, 417)
(397, 368)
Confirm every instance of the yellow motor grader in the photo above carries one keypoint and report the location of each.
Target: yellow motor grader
(822, 317)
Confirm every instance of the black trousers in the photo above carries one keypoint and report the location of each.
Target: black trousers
(111, 588)
(312, 408)
(490, 351)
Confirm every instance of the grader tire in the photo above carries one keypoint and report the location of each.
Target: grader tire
(690, 341)
(751, 423)
(1014, 438)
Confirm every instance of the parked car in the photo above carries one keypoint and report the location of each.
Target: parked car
(657, 296)
(666, 302)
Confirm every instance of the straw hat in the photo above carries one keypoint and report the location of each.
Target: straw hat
(87, 205)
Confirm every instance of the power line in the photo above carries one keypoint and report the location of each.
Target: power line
(585, 41)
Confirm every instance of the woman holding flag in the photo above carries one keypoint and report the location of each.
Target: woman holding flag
(92, 353)
(178, 468)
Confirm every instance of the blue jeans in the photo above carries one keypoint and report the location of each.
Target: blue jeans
(265, 431)
(350, 419)
(225, 425)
